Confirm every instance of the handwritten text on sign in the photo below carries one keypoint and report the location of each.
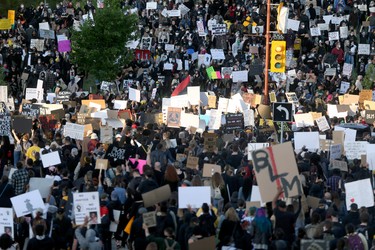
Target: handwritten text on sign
(276, 167)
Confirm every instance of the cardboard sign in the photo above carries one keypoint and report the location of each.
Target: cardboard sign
(149, 219)
(210, 141)
(212, 101)
(106, 135)
(86, 204)
(27, 203)
(210, 169)
(6, 221)
(312, 201)
(174, 117)
(205, 243)
(281, 173)
(101, 164)
(155, 196)
(323, 124)
(100, 102)
(73, 130)
(42, 184)
(50, 159)
(193, 196)
(192, 162)
(22, 124)
(359, 192)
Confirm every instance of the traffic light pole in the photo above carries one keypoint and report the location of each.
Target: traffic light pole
(267, 63)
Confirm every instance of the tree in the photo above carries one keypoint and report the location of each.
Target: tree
(99, 48)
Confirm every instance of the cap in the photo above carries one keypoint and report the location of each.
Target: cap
(94, 136)
(118, 136)
(142, 210)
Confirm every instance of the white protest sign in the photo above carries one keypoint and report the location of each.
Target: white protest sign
(322, 123)
(44, 26)
(354, 149)
(215, 119)
(151, 5)
(222, 106)
(327, 18)
(304, 120)
(293, 24)
(217, 54)
(255, 195)
(86, 204)
(50, 159)
(37, 43)
(194, 95)
(347, 70)
(333, 36)
(174, 13)
(350, 134)
(168, 66)
(27, 203)
(169, 47)
(4, 93)
(255, 146)
(34, 93)
(344, 32)
(219, 29)
(323, 26)
(248, 117)
(370, 156)
(120, 104)
(363, 49)
(74, 131)
(183, 9)
(200, 27)
(193, 196)
(6, 222)
(308, 139)
(134, 95)
(240, 76)
(41, 184)
(315, 31)
(359, 192)
(335, 151)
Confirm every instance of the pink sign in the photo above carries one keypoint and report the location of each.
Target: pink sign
(64, 46)
(141, 164)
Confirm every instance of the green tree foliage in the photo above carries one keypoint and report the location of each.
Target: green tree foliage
(99, 48)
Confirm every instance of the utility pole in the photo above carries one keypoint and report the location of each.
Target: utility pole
(267, 64)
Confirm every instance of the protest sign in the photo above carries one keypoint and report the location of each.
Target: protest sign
(255, 195)
(101, 164)
(323, 123)
(47, 34)
(38, 44)
(281, 173)
(140, 164)
(6, 221)
(309, 140)
(303, 120)
(27, 203)
(343, 31)
(34, 93)
(5, 24)
(151, 5)
(134, 95)
(30, 110)
(74, 131)
(193, 196)
(333, 36)
(99, 102)
(210, 142)
(5, 120)
(149, 219)
(157, 195)
(359, 192)
(341, 165)
(192, 162)
(42, 184)
(344, 86)
(255, 146)
(354, 149)
(315, 31)
(240, 76)
(50, 159)
(312, 201)
(233, 122)
(194, 95)
(205, 243)
(217, 54)
(363, 49)
(335, 151)
(106, 135)
(210, 169)
(4, 93)
(86, 204)
(293, 24)
(219, 29)
(11, 16)
(174, 117)
(22, 124)
(314, 244)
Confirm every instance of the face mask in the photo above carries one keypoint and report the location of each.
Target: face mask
(190, 43)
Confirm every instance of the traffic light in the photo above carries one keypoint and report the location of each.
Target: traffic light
(278, 56)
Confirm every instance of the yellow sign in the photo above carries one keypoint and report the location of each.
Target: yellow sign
(11, 16)
(5, 24)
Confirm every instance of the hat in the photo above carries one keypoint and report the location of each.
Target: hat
(52, 209)
(142, 210)
(74, 152)
(39, 210)
(134, 126)
(103, 196)
(118, 136)
(94, 136)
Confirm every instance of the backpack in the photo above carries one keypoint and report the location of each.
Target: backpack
(364, 231)
(355, 242)
(217, 194)
(168, 247)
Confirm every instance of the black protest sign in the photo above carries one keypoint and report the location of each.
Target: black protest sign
(115, 155)
(22, 124)
(30, 110)
(256, 69)
(58, 113)
(63, 96)
(233, 122)
(4, 120)
(370, 116)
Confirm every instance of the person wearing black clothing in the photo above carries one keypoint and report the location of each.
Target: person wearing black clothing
(235, 158)
(62, 230)
(6, 192)
(284, 220)
(148, 184)
(40, 241)
(352, 216)
(207, 220)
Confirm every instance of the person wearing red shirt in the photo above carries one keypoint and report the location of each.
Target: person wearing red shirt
(339, 52)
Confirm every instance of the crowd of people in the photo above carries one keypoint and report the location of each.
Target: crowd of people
(280, 224)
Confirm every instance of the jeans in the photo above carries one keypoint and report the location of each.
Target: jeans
(16, 157)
